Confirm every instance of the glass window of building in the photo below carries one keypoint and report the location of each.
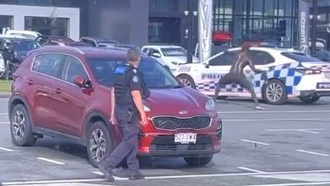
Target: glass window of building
(272, 21)
(5, 21)
(163, 5)
(47, 25)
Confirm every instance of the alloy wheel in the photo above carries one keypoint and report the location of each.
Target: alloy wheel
(97, 145)
(19, 125)
(186, 82)
(274, 92)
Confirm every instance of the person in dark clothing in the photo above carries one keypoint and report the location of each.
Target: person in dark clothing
(127, 108)
(236, 75)
(8, 55)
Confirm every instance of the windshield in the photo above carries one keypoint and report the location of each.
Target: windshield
(174, 52)
(25, 45)
(155, 75)
(300, 57)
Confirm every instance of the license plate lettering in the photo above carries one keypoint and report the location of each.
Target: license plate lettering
(185, 138)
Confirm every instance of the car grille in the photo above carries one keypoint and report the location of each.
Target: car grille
(173, 123)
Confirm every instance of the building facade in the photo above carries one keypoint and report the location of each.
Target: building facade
(157, 21)
(323, 22)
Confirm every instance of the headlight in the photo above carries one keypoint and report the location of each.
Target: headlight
(210, 105)
(146, 109)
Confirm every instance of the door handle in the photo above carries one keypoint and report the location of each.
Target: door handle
(30, 82)
(58, 91)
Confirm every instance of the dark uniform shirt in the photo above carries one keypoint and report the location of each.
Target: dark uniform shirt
(127, 79)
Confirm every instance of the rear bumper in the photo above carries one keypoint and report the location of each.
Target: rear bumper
(318, 93)
(163, 145)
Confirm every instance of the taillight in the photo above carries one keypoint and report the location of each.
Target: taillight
(307, 71)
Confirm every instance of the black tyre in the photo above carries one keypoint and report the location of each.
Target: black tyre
(21, 126)
(187, 81)
(309, 99)
(274, 92)
(99, 142)
(198, 161)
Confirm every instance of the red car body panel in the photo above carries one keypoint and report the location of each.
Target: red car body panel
(65, 108)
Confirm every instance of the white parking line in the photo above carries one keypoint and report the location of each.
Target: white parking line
(5, 123)
(310, 152)
(308, 131)
(311, 130)
(116, 178)
(6, 149)
(166, 177)
(51, 182)
(290, 130)
(274, 111)
(51, 161)
(274, 119)
(254, 142)
(251, 170)
(294, 184)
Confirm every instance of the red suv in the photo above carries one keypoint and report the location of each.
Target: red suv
(64, 92)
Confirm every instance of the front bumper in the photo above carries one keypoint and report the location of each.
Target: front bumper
(164, 145)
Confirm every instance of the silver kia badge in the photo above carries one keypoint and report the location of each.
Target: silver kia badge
(183, 112)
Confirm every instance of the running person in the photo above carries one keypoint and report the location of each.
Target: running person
(236, 75)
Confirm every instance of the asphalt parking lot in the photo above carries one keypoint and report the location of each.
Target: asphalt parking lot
(284, 145)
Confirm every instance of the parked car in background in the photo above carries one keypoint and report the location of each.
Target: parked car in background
(170, 56)
(98, 42)
(322, 54)
(53, 40)
(21, 47)
(24, 33)
(64, 91)
(290, 74)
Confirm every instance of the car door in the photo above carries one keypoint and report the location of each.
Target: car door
(216, 67)
(219, 65)
(45, 72)
(261, 59)
(73, 98)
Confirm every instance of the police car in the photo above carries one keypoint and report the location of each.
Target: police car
(290, 74)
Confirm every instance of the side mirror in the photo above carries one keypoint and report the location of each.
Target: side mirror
(79, 81)
(206, 65)
(156, 55)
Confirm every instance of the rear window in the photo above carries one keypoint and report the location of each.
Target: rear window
(300, 57)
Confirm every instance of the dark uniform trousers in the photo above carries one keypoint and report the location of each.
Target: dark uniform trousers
(128, 121)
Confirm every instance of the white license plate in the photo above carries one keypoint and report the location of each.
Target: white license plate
(327, 75)
(185, 138)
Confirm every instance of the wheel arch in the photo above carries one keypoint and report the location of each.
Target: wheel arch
(185, 74)
(271, 79)
(15, 100)
(92, 117)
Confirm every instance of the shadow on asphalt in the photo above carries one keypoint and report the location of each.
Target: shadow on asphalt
(80, 151)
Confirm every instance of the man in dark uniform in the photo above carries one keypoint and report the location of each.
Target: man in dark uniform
(236, 75)
(127, 105)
